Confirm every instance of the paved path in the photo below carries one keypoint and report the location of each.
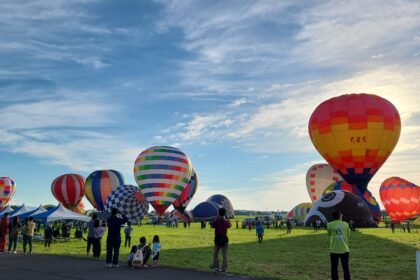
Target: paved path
(48, 267)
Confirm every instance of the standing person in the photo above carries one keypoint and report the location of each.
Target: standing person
(127, 232)
(392, 227)
(408, 227)
(237, 224)
(4, 231)
(339, 233)
(48, 236)
(318, 224)
(113, 241)
(14, 228)
(28, 234)
(91, 234)
(315, 226)
(156, 250)
(98, 232)
(289, 226)
(259, 231)
(221, 240)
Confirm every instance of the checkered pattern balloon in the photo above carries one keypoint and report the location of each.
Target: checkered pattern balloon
(123, 198)
(223, 202)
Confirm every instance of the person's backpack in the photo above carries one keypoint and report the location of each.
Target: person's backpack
(138, 257)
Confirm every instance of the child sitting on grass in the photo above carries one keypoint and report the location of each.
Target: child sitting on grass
(131, 256)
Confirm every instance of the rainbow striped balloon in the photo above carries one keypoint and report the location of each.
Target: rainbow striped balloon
(100, 184)
(187, 194)
(7, 190)
(162, 173)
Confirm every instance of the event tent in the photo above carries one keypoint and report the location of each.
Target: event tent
(34, 212)
(5, 210)
(21, 210)
(60, 213)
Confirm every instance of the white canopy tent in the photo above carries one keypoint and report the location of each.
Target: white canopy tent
(60, 213)
(5, 210)
(22, 210)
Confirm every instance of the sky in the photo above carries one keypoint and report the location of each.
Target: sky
(88, 85)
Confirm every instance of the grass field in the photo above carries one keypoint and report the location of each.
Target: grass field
(375, 253)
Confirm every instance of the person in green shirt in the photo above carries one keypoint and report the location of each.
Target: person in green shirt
(339, 233)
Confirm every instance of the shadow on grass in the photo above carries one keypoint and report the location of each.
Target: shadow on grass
(304, 257)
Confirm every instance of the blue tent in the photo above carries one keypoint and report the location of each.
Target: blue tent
(60, 213)
(205, 211)
(36, 211)
(5, 210)
(21, 211)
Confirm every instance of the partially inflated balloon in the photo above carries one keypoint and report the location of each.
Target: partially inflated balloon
(100, 184)
(68, 189)
(400, 198)
(367, 197)
(349, 204)
(187, 194)
(79, 208)
(162, 173)
(318, 178)
(299, 211)
(7, 190)
(355, 133)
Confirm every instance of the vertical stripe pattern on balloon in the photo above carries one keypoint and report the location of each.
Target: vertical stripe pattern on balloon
(68, 189)
(100, 184)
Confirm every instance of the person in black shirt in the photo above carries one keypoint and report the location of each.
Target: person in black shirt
(113, 241)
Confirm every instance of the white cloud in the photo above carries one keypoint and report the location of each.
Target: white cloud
(62, 131)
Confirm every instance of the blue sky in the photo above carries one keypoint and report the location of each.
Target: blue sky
(87, 85)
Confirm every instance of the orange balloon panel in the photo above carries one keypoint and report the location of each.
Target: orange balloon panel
(355, 133)
(400, 198)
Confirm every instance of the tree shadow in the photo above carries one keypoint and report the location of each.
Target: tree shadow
(306, 257)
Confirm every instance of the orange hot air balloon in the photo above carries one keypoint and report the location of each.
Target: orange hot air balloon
(355, 133)
(400, 198)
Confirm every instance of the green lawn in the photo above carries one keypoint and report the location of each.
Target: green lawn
(375, 253)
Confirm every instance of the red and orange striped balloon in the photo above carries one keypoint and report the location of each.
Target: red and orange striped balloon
(355, 133)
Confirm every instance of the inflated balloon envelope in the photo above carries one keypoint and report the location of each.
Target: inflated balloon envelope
(349, 204)
(7, 190)
(355, 133)
(400, 198)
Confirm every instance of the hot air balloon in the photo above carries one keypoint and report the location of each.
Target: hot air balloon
(299, 211)
(100, 184)
(367, 197)
(79, 208)
(124, 198)
(162, 173)
(68, 189)
(319, 177)
(355, 133)
(349, 204)
(187, 194)
(400, 198)
(205, 211)
(7, 190)
(223, 202)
